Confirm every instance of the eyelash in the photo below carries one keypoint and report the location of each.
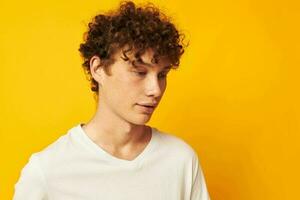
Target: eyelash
(143, 73)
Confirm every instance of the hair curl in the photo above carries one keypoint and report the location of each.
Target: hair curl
(139, 28)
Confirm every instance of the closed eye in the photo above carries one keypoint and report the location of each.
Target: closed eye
(140, 73)
(161, 75)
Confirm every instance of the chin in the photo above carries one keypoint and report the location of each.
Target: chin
(141, 119)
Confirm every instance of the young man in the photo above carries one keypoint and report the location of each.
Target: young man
(127, 54)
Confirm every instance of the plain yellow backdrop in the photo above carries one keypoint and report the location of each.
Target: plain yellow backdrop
(234, 98)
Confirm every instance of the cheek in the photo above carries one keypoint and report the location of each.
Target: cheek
(125, 90)
(165, 86)
(127, 84)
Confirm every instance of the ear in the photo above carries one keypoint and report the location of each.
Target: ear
(96, 69)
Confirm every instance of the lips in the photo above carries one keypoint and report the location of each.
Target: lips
(148, 104)
(146, 108)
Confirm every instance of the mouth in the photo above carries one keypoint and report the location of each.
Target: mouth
(146, 108)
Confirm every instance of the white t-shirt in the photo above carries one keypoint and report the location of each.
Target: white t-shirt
(75, 168)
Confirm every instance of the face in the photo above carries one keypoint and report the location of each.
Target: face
(132, 85)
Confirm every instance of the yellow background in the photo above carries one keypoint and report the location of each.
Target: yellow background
(235, 97)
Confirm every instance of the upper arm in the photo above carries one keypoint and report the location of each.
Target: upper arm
(199, 189)
(31, 184)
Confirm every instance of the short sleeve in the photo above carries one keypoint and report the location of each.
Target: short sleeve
(31, 184)
(199, 189)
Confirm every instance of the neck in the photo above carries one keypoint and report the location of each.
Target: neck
(108, 129)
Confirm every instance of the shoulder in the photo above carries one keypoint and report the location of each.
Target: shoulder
(56, 151)
(176, 145)
(31, 182)
(55, 147)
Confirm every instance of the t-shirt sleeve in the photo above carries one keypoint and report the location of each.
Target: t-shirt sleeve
(31, 184)
(199, 189)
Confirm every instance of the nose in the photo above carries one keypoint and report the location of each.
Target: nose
(154, 87)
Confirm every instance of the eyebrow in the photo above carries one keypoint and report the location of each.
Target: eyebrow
(141, 62)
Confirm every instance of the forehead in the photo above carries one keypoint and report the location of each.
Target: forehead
(146, 59)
